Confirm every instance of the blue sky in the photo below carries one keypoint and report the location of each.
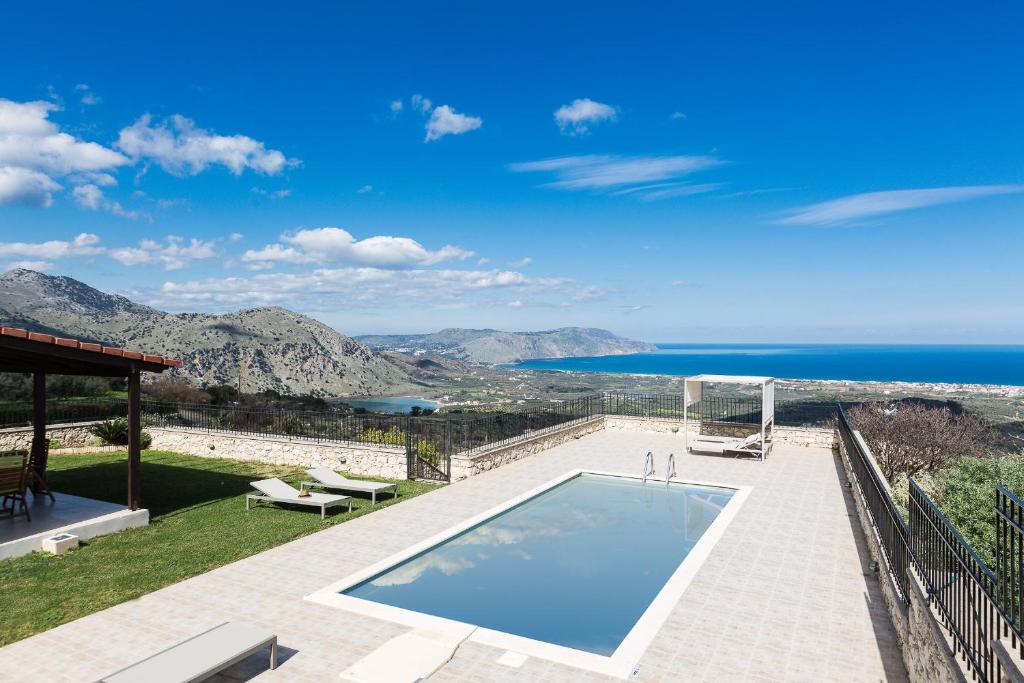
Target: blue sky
(676, 172)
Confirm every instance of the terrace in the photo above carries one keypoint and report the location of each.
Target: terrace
(815, 577)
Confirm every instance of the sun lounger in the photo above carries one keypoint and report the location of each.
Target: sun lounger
(408, 658)
(329, 479)
(276, 491)
(200, 657)
(750, 445)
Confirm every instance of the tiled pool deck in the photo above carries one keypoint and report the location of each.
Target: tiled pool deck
(786, 594)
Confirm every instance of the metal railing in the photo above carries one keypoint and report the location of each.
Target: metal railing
(473, 432)
(892, 530)
(721, 410)
(959, 584)
(975, 605)
(1010, 557)
(65, 411)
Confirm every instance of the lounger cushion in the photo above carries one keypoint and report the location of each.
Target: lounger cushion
(329, 477)
(275, 488)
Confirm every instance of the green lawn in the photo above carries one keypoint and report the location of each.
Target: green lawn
(198, 522)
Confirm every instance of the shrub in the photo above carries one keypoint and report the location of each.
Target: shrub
(175, 391)
(115, 433)
(963, 491)
(392, 437)
(111, 432)
(909, 438)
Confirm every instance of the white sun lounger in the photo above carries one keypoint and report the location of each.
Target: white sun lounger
(410, 657)
(724, 444)
(276, 491)
(200, 657)
(329, 479)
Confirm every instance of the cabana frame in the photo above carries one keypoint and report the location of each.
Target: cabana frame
(41, 354)
(693, 392)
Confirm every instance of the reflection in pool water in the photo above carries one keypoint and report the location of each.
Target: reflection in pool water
(576, 565)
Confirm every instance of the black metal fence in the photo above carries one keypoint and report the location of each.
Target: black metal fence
(65, 411)
(893, 531)
(1010, 556)
(976, 605)
(963, 590)
(470, 432)
(721, 410)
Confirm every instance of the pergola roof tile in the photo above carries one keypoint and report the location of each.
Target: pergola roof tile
(42, 338)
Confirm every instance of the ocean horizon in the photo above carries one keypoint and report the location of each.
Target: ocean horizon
(997, 364)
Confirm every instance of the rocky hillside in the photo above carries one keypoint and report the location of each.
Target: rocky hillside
(273, 348)
(496, 346)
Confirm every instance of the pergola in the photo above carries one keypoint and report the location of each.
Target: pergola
(693, 392)
(43, 354)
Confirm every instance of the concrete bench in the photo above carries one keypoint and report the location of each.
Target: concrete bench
(199, 657)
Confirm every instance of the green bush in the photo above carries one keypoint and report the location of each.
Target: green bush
(391, 437)
(115, 433)
(964, 493)
(112, 432)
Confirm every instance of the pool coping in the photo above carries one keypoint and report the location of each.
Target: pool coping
(621, 664)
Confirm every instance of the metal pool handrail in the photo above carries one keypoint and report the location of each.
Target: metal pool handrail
(648, 466)
(670, 467)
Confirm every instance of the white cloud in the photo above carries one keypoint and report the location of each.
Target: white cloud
(26, 187)
(641, 175)
(180, 148)
(172, 254)
(335, 245)
(235, 237)
(30, 265)
(446, 121)
(515, 303)
(576, 118)
(91, 197)
(365, 189)
(85, 244)
(396, 106)
(521, 263)
(89, 98)
(421, 104)
(677, 116)
(34, 153)
(359, 286)
(273, 194)
(870, 204)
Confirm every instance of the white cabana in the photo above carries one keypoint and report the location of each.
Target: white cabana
(759, 443)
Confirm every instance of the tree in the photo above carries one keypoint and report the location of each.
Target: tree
(910, 438)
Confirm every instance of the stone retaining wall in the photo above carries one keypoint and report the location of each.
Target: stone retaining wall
(817, 437)
(365, 459)
(69, 435)
(465, 465)
(926, 651)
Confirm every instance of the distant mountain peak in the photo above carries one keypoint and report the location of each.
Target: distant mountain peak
(269, 347)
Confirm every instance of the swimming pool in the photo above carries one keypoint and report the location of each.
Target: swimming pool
(571, 569)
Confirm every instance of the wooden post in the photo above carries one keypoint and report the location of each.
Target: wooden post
(40, 451)
(134, 439)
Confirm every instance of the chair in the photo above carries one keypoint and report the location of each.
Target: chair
(329, 479)
(276, 491)
(199, 657)
(750, 445)
(13, 479)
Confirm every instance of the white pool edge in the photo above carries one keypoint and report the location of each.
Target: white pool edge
(625, 658)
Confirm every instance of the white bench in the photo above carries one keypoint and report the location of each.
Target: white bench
(199, 657)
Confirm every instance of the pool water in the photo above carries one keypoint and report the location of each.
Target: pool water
(575, 566)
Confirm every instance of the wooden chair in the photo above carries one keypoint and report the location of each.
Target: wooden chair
(13, 482)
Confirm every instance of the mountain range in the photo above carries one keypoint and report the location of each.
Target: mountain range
(275, 348)
(497, 346)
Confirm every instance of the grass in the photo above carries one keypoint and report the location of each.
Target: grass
(198, 522)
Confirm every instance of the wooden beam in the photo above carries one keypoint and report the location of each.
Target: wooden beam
(134, 439)
(40, 451)
(44, 356)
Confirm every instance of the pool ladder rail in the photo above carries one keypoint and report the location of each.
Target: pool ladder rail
(670, 467)
(648, 466)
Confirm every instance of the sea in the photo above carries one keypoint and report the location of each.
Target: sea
(953, 364)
